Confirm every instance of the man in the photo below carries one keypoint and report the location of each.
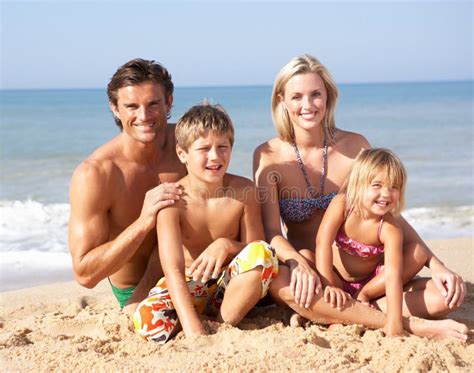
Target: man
(118, 190)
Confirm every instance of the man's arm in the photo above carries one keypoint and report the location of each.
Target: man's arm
(94, 255)
(450, 284)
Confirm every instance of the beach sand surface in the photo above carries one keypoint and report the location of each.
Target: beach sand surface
(63, 327)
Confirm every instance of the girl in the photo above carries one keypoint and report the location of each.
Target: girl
(359, 235)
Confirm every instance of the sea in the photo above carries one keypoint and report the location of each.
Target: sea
(45, 134)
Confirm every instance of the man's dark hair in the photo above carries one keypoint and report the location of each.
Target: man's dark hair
(135, 72)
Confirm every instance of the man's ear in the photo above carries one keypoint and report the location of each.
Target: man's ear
(182, 154)
(169, 104)
(113, 109)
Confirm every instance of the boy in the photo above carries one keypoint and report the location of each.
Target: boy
(203, 232)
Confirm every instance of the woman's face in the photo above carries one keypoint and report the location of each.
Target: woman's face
(305, 99)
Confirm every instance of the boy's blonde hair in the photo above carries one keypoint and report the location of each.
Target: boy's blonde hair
(368, 163)
(302, 65)
(200, 119)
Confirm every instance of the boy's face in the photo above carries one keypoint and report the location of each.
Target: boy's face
(208, 157)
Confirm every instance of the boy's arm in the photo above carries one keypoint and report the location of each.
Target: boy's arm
(331, 223)
(251, 227)
(173, 264)
(392, 238)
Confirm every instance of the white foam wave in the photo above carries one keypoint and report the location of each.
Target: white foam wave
(33, 237)
(442, 222)
(31, 225)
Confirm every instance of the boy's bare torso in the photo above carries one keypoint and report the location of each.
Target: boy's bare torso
(205, 218)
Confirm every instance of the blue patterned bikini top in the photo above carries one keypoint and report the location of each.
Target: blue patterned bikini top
(299, 210)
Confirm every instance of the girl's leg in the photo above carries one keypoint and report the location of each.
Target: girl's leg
(357, 313)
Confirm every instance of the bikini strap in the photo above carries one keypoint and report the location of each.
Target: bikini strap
(305, 175)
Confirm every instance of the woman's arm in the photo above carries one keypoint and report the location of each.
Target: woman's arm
(172, 261)
(304, 280)
(450, 284)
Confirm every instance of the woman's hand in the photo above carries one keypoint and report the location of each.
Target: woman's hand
(304, 282)
(336, 297)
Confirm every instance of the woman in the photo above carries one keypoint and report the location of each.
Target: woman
(298, 173)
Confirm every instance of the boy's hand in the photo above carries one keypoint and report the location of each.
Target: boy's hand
(208, 265)
(336, 297)
(305, 282)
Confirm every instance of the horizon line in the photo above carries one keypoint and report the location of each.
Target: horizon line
(244, 85)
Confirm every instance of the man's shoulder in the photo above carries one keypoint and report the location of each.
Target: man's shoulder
(101, 163)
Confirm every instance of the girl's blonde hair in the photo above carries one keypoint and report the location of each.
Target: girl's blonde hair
(368, 163)
(302, 65)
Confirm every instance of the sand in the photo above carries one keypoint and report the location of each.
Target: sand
(63, 327)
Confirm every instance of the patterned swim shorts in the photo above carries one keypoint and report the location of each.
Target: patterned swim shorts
(156, 318)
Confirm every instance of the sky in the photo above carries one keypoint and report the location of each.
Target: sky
(80, 44)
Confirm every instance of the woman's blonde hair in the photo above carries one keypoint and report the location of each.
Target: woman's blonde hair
(368, 163)
(302, 65)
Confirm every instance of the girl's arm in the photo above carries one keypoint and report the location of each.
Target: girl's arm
(173, 264)
(330, 225)
(392, 238)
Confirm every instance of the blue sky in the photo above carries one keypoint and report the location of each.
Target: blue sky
(66, 44)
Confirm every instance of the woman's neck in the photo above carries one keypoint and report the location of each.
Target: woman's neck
(309, 139)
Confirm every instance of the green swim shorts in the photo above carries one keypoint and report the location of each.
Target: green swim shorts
(122, 295)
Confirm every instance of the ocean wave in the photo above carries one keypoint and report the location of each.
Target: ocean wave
(33, 226)
(33, 237)
(442, 222)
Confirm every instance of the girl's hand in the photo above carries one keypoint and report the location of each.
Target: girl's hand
(363, 298)
(304, 283)
(394, 329)
(336, 297)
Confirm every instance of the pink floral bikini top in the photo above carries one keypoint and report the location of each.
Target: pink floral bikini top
(352, 247)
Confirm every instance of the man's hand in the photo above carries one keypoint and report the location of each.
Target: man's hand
(304, 283)
(157, 198)
(450, 284)
(208, 265)
(336, 297)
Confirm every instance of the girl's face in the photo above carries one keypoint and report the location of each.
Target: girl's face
(380, 197)
(305, 100)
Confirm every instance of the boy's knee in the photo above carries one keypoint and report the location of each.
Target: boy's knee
(155, 319)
